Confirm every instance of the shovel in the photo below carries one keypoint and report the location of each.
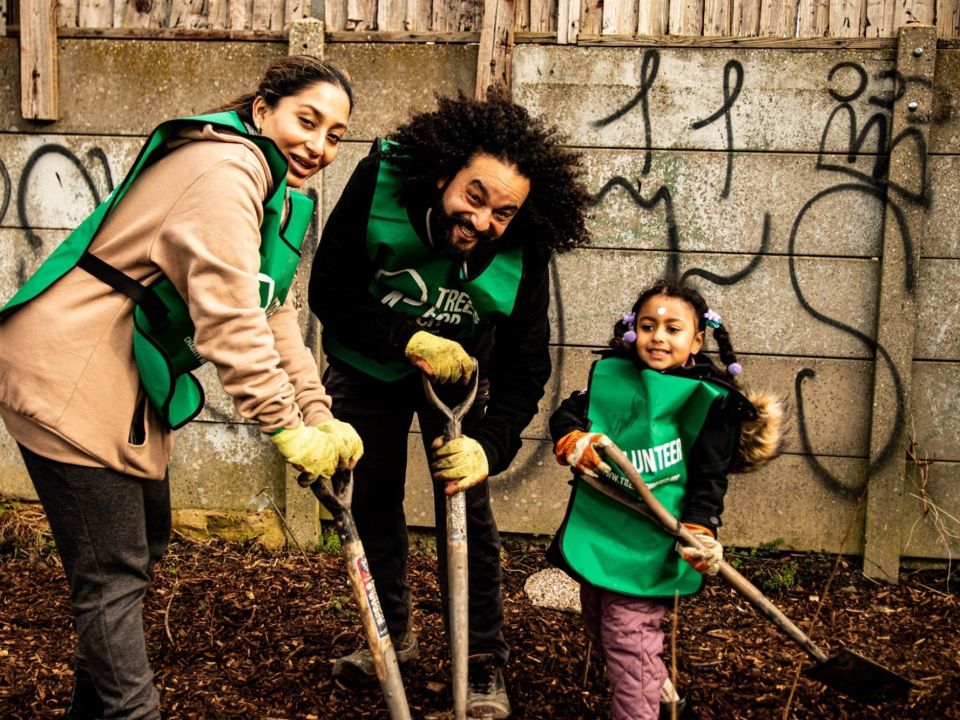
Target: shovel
(858, 677)
(335, 495)
(457, 593)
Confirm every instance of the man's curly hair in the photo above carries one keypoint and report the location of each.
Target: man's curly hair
(438, 144)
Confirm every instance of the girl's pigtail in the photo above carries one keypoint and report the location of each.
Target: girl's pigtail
(727, 356)
(624, 333)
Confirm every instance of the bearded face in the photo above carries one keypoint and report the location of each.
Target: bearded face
(477, 204)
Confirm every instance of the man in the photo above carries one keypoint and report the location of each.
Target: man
(437, 251)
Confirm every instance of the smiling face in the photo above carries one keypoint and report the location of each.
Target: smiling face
(480, 201)
(307, 127)
(667, 333)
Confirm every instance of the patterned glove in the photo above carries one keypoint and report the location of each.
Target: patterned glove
(309, 450)
(443, 360)
(577, 449)
(462, 463)
(707, 560)
(349, 444)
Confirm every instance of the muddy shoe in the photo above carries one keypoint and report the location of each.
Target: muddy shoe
(357, 668)
(486, 691)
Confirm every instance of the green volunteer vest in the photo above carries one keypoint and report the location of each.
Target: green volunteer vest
(413, 279)
(163, 332)
(655, 419)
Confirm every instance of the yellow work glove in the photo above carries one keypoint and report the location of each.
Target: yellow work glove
(349, 444)
(309, 450)
(444, 360)
(461, 462)
(707, 560)
(578, 450)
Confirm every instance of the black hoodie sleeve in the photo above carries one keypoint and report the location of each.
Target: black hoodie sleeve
(342, 271)
(519, 365)
(707, 467)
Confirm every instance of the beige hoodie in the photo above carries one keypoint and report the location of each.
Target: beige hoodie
(69, 387)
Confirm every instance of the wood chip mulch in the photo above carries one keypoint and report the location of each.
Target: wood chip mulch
(238, 632)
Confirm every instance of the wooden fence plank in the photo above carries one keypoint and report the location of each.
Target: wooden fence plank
(686, 17)
(38, 59)
(591, 17)
(362, 15)
(521, 16)
(879, 18)
(189, 14)
(239, 14)
(543, 16)
(95, 14)
(846, 18)
(335, 14)
(948, 18)
(66, 13)
(919, 11)
(139, 13)
(717, 18)
(568, 21)
(446, 15)
(391, 15)
(496, 47)
(619, 17)
(745, 20)
(219, 17)
(778, 18)
(418, 15)
(813, 17)
(653, 17)
(471, 15)
(278, 13)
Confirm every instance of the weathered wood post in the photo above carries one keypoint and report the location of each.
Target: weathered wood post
(302, 512)
(38, 60)
(496, 46)
(904, 215)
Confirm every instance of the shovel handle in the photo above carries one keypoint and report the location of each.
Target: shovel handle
(737, 581)
(335, 495)
(456, 525)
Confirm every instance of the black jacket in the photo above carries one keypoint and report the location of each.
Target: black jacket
(711, 456)
(512, 350)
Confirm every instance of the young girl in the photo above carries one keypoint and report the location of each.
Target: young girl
(684, 424)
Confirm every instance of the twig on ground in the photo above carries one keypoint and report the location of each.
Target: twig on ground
(263, 491)
(166, 612)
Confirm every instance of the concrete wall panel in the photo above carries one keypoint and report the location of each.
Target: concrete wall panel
(598, 285)
(597, 95)
(800, 302)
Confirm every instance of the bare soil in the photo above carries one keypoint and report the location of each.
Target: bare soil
(239, 632)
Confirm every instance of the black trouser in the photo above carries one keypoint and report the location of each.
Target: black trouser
(110, 529)
(381, 413)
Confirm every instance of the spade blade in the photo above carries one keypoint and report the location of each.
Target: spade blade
(860, 678)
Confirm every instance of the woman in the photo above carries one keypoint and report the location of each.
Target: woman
(188, 260)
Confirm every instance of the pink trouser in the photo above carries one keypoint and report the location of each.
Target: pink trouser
(628, 630)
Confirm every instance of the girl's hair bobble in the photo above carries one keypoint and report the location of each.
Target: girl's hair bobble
(629, 336)
(628, 318)
(713, 318)
(734, 368)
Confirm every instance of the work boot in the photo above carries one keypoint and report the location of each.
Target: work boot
(85, 702)
(486, 691)
(357, 668)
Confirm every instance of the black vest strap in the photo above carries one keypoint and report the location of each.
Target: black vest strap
(143, 296)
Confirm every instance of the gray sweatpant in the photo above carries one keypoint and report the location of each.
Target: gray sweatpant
(110, 529)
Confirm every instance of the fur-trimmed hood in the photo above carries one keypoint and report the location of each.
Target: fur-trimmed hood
(761, 438)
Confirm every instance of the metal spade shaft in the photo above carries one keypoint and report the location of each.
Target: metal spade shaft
(457, 580)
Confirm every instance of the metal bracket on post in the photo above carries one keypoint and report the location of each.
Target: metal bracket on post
(904, 213)
(496, 46)
(38, 60)
(301, 509)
